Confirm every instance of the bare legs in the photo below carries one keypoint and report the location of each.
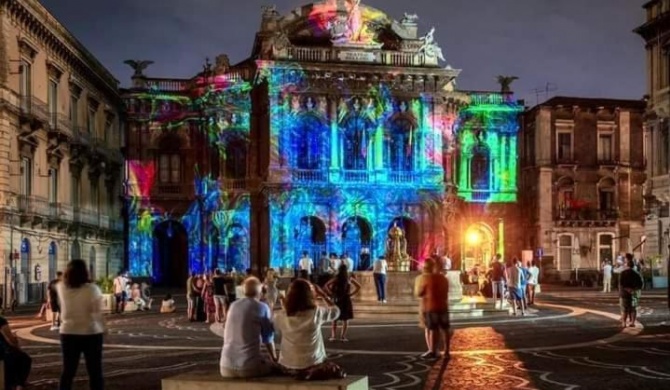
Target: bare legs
(343, 335)
(433, 341)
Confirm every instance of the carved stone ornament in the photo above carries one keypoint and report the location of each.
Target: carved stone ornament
(222, 64)
(280, 40)
(138, 66)
(270, 11)
(409, 18)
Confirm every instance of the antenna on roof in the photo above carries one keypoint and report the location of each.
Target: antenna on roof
(549, 87)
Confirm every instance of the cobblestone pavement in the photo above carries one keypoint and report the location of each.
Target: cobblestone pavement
(572, 342)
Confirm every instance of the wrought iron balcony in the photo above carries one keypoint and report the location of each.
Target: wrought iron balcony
(401, 177)
(33, 206)
(81, 136)
(33, 108)
(585, 216)
(309, 175)
(60, 124)
(357, 176)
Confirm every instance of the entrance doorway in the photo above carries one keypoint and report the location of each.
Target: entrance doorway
(356, 239)
(170, 263)
(311, 238)
(24, 272)
(478, 246)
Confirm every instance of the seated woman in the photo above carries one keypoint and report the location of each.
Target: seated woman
(136, 296)
(168, 306)
(303, 353)
(17, 362)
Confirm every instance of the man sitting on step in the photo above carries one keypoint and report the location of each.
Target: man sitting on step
(247, 325)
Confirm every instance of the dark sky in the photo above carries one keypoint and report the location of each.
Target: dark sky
(583, 47)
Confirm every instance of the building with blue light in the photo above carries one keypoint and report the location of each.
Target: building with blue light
(341, 124)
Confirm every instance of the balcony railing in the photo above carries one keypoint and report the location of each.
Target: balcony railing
(357, 176)
(60, 124)
(309, 175)
(81, 136)
(34, 107)
(234, 184)
(169, 189)
(33, 205)
(586, 214)
(403, 177)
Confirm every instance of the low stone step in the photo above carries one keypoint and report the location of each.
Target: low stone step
(214, 381)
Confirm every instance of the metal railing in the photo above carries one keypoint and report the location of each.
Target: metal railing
(234, 184)
(59, 123)
(32, 106)
(357, 176)
(400, 177)
(585, 214)
(309, 175)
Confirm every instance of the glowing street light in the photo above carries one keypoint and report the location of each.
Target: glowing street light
(474, 237)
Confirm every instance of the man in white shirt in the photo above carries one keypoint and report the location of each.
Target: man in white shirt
(248, 324)
(379, 268)
(607, 276)
(348, 261)
(306, 264)
(120, 291)
(446, 261)
(335, 263)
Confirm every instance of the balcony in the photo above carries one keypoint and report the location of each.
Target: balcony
(234, 184)
(81, 136)
(400, 177)
(309, 175)
(33, 109)
(585, 217)
(33, 206)
(60, 125)
(356, 176)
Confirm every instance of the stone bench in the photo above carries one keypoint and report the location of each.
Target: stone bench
(213, 381)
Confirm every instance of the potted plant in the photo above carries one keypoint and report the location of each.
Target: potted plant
(106, 285)
(659, 271)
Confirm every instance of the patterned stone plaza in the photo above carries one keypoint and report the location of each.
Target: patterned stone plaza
(571, 342)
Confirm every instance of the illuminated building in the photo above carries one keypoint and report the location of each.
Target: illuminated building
(60, 164)
(341, 124)
(656, 34)
(582, 181)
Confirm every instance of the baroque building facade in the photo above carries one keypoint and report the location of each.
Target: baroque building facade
(582, 179)
(656, 34)
(60, 162)
(341, 125)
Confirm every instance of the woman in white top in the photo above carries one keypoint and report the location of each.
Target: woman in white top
(533, 281)
(300, 326)
(379, 269)
(82, 325)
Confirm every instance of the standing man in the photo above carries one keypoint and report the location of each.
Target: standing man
(434, 293)
(498, 279)
(379, 268)
(53, 301)
(120, 292)
(607, 276)
(446, 262)
(516, 279)
(306, 265)
(190, 297)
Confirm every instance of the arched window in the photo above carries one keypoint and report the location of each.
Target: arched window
(356, 143)
(308, 145)
(480, 178)
(399, 145)
(236, 158)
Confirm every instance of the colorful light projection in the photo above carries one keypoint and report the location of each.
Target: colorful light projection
(350, 167)
(351, 25)
(221, 109)
(487, 135)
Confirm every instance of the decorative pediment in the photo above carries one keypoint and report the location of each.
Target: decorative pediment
(54, 70)
(27, 48)
(75, 87)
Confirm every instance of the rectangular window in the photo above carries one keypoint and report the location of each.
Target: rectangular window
(564, 147)
(108, 131)
(663, 150)
(605, 147)
(76, 186)
(74, 110)
(95, 196)
(164, 168)
(169, 168)
(53, 185)
(26, 186)
(175, 168)
(25, 84)
(607, 200)
(52, 96)
(90, 121)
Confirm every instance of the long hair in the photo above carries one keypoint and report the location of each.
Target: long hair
(76, 274)
(342, 278)
(270, 276)
(299, 298)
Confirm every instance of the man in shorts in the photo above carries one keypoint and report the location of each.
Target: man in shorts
(435, 297)
(220, 295)
(52, 302)
(120, 293)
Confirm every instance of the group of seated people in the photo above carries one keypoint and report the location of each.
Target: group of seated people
(250, 323)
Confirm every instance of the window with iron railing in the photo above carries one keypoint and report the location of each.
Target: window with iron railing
(90, 121)
(52, 97)
(26, 185)
(76, 192)
(169, 168)
(53, 185)
(564, 147)
(74, 111)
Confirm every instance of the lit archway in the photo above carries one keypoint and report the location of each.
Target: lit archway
(478, 246)
(170, 265)
(310, 237)
(357, 240)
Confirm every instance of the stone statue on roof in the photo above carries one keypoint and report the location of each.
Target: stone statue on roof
(409, 18)
(430, 47)
(270, 11)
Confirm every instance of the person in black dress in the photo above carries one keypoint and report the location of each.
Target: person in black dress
(340, 288)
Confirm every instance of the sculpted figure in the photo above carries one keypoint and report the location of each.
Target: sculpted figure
(505, 83)
(269, 11)
(430, 47)
(409, 18)
(138, 66)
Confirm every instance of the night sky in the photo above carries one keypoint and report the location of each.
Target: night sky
(582, 47)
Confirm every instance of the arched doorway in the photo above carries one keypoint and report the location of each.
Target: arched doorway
(170, 262)
(24, 272)
(75, 253)
(478, 246)
(356, 241)
(310, 237)
(236, 250)
(411, 230)
(92, 263)
(53, 260)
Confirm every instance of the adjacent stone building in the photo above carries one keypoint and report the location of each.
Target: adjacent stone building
(656, 34)
(60, 164)
(582, 179)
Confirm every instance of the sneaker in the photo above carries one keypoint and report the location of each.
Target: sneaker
(332, 339)
(428, 355)
(344, 339)
(54, 328)
(384, 301)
